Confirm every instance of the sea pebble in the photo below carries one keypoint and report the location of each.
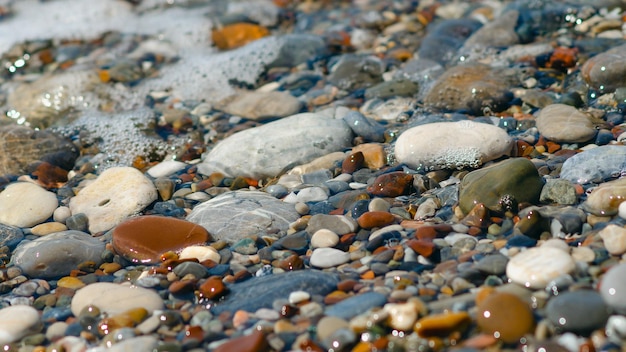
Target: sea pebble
(143, 239)
(356, 71)
(328, 325)
(450, 145)
(595, 165)
(235, 215)
(564, 123)
(355, 305)
(613, 288)
(339, 224)
(116, 194)
(254, 342)
(57, 254)
(16, 322)
(499, 185)
(258, 105)
(25, 204)
(506, 316)
(605, 71)
(312, 194)
(442, 324)
(445, 37)
(614, 239)
(559, 191)
(201, 253)
(10, 236)
(115, 299)
(369, 129)
(536, 267)
(166, 168)
(402, 316)
(605, 199)
(268, 150)
(48, 228)
(328, 257)
(580, 311)
(324, 238)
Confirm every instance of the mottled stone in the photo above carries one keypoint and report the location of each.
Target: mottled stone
(257, 105)
(505, 316)
(613, 288)
(144, 238)
(17, 322)
(356, 71)
(606, 71)
(392, 88)
(513, 179)
(564, 123)
(559, 191)
(391, 184)
(57, 254)
(238, 214)
(262, 291)
(450, 145)
(116, 194)
(22, 146)
(536, 267)
(115, 299)
(606, 198)
(275, 147)
(493, 264)
(25, 204)
(579, 312)
(595, 165)
(373, 219)
(10, 236)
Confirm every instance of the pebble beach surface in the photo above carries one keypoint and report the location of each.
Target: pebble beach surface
(367, 175)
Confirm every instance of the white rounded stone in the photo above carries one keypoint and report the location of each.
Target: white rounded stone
(296, 297)
(450, 145)
(402, 316)
(329, 257)
(17, 322)
(536, 267)
(556, 243)
(116, 194)
(114, 299)
(621, 210)
(166, 168)
(378, 204)
(312, 194)
(564, 123)
(324, 238)
(614, 238)
(61, 214)
(24, 204)
(201, 253)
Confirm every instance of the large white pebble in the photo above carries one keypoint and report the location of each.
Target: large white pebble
(116, 194)
(25, 204)
(113, 298)
(17, 322)
(450, 145)
(324, 238)
(614, 238)
(329, 257)
(201, 253)
(536, 267)
(402, 316)
(166, 168)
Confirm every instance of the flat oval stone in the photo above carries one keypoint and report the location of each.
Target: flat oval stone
(57, 254)
(373, 219)
(329, 257)
(144, 238)
(564, 123)
(580, 312)
(275, 147)
(24, 204)
(116, 194)
(595, 165)
(115, 299)
(451, 145)
(536, 267)
(339, 224)
(235, 215)
(355, 305)
(613, 288)
(517, 178)
(324, 238)
(505, 316)
(606, 70)
(605, 199)
(17, 322)
(258, 105)
(442, 325)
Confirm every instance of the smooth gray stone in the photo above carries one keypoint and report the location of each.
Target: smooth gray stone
(261, 292)
(369, 129)
(494, 264)
(353, 306)
(581, 311)
(595, 165)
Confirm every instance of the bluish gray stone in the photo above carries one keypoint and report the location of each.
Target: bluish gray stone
(353, 306)
(581, 311)
(10, 236)
(595, 165)
(369, 129)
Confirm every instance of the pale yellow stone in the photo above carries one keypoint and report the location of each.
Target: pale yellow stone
(323, 162)
(614, 238)
(48, 228)
(201, 253)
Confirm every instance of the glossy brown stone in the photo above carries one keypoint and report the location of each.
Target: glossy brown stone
(293, 262)
(392, 184)
(212, 288)
(505, 316)
(254, 342)
(352, 163)
(422, 247)
(373, 219)
(143, 239)
(442, 325)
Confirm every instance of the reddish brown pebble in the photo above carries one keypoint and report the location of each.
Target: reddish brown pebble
(422, 247)
(144, 238)
(254, 342)
(478, 216)
(373, 219)
(505, 316)
(212, 288)
(182, 286)
(352, 163)
(193, 333)
(291, 263)
(50, 176)
(347, 285)
(392, 184)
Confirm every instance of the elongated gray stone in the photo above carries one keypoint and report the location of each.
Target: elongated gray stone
(353, 306)
(270, 149)
(235, 215)
(261, 292)
(595, 165)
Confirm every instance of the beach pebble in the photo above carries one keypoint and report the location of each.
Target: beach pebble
(143, 239)
(254, 342)
(201, 253)
(369, 129)
(328, 257)
(559, 191)
(338, 224)
(595, 165)
(355, 305)
(25, 204)
(391, 184)
(605, 199)
(166, 168)
(516, 179)
(116, 194)
(356, 71)
(312, 194)
(57, 254)
(257, 105)
(235, 215)
(536, 267)
(614, 239)
(606, 70)
(17, 322)
(402, 316)
(450, 145)
(564, 123)
(324, 238)
(275, 147)
(115, 299)
(61, 214)
(443, 324)
(580, 311)
(10, 236)
(48, 228)
(505, 316)
(613, 288)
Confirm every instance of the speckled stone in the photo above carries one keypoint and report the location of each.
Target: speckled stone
(115, 299)
(116, 194)
(25, 204)
(16, 322)
(450, 145)
(559, 191)
(238, 214)
(579, 311)
(536, 267)
(613, 288)
(595, 165)
(564, 123)
(57, 254)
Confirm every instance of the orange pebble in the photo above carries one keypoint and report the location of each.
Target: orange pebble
(237, 34)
